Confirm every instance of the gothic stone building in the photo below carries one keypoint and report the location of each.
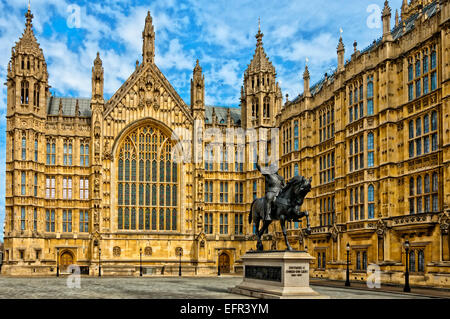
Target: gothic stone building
(90, 181)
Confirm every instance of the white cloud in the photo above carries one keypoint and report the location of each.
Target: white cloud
(175, 57)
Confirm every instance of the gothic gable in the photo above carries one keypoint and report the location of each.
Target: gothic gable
(147, 93)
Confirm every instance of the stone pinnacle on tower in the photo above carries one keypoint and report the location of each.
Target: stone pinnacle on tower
(148, 36)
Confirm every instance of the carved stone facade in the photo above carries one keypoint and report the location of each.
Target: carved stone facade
(95, 179)
(366, 137)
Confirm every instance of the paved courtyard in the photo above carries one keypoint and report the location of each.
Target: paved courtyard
(149, 288)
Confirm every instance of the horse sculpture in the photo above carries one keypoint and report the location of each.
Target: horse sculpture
(285, 208)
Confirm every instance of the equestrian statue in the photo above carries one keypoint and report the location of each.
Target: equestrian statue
(281, 202)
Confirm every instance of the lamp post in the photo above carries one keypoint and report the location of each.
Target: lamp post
(57, 262)
(407, 288)
(218, 263)
(179, 253)
(99, 264)
(347, 276)
(179, 268)
(140, 262)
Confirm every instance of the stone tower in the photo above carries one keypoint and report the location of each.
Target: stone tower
(260, 95)
(28, 89)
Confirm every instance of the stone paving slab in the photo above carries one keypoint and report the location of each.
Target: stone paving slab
(420, 291)
(152, 288)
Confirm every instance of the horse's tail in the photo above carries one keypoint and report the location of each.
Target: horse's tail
(250, 216)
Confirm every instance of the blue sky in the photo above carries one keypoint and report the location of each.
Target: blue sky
(221, 34)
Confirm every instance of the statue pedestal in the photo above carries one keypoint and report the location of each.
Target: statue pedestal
(277, 275)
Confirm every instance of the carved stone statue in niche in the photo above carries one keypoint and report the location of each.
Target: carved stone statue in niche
(96, 217)
(156, 95)
(381, 228)
(107, 152)
(97, 147)
(444, 221)
(200, 190)
(334, 233)
(141, 93)
(149, 82)
(97, 186)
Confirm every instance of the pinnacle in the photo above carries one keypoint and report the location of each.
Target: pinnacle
(197, 68)
(260, 60)
(98, 60)
(386, 9)
(28, 43)
(340, 46)
(29, 16)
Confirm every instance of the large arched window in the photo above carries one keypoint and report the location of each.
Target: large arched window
(147, 181)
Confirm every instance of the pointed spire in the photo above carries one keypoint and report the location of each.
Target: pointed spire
(98, 61)
(340, 46)
(404, 10)
(260, 60)
(341, 53)
(97, 77)
(197, 68)
(396, 18)
(259, 35)
(306, 78)
(306, 73)
(386, 9)
(197, 88)
(29, 16)
(28, 43)
(386, 18)
(148, 35)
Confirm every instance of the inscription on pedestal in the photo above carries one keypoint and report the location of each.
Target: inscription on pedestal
(263, 273)
(296, 271)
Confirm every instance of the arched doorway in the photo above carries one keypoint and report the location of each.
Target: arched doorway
(66, 260)
(224, 263)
